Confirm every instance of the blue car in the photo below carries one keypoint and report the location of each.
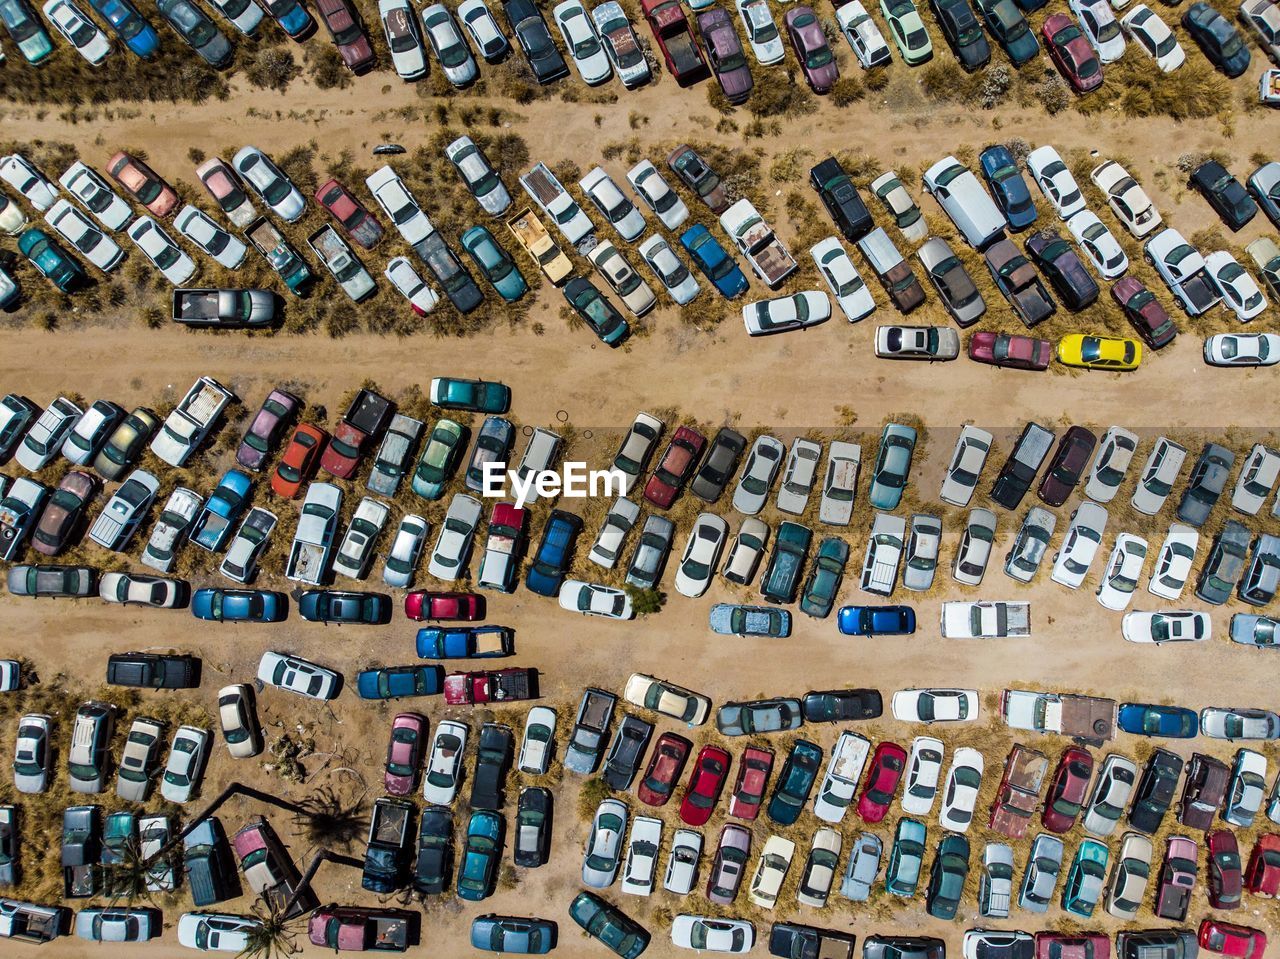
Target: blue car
(53, 262)
(480, 856)
(877, 620)
(795, 782)
(498, 268)
(463, 642)
(292, 17)
(129, 25)
(512, 934)
(714, 261)
(551, 559)
(213, 524)
(1007, 186)
(1149, 719)
(342, 606)
(396, 682)
(240, 605)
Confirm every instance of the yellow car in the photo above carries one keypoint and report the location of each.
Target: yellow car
(1099, 352)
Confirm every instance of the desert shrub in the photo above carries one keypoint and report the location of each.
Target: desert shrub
(1053, 93)
(876, 79)
(846, 90)
(717, 100)
(790, 99)
(995, 85)
(272, 68)
(326, 69)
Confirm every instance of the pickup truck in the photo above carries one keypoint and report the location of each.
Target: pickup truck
(463, 642)
(493, 757)
(228, 309)
(366, 417)
(386, 860)
(671, 29)
(339, 259)
(1019, 792)
(490, 686)
(501, 559)
(546, 191)
(191, 421)
(363, 929)
(313, 540)
(1087, 718)
(768, 257)
(81, 849)
(536, 240)
(31, 922)
(213, 524)
(590, 728)
(986, 620)
(18, 513)
(279, 255)
(782, 575)
(392, 461)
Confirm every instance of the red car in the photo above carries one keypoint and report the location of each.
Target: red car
(700, 796)
(142, 183)
(361, 225)
(887, 764)
(263, 435)
(1144, 311)
(753, 776)
(671, 29)
(1229, 939)
(404, 753)
(298, 464)
(1177, 878)
(1069, 49)
(422, 604)
(1067, 790)
(1225, 883)
(64, 513)
(675, 467)
(1060, 945)
(344, 26)
(665, 766)
(1010, 350)
(1263, 875)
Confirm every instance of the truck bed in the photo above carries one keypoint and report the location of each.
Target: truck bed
(389, 823)
(196, 304)
(367, 412)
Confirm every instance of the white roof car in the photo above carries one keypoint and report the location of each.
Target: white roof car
(682, 862)
(1084, 535)
(928, 343)
(1098, 243)
(621, 213)
(651, 187)
(218, 932)
(784, 313)
(924, 770)
(935, 705)
(1099, 26)
(840, 483)
(1240, 292)
(670, 270)
(1246, 789)
(238, 721)
(618, 522)
(453, 545)
(1127, 886)
(620, 43)
(199, 228)
(640, 867)
(32, 754)
(1111, 791)
(444, 763)
(748, 548)
(603, 851)
(967, 460)
(485, 32)
(84, 235)
(1153, 35)
(701, 555)
(1055, 181)
(637, 446)
(820, 866)
(863, 35)
(187, 755)
(538, 740)
(159, 248)
(667, 698)
(539, 455)
(1173, 564)
(409, 284)
(355, 551)
(266, 180)
(90, 432)
(771, 870)
(87, 185)
(595, 599)
(712, 934)
(960, 794)
(964, 200)
(241, 560)
(406, 548)
(1128, 201)
(78, 30)
(843, 773)
(446, 42)
(138, 759)
(762, 33)
(1242, 349)
(622, 279)
(13, 221)
(404, 40)
(244, 15)
(1258, 475)
(1124, 568)
(800, 476)
(1110, 463)
(974, 549)
(45, 437)
(481, 179)
(580, 38)
(21, 174)
(921, 552)
(1167, 626)
(757, 476)
(295, 675)
(140, 590)
(399, 204)
(166, 536)
(897, 201)
(842, 278)
(1159, 473)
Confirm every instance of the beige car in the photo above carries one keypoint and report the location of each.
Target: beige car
(820, 869)
(771, 870)
(667, 698)
(1130, 875)
(239, 722)
(140, 758)
(622, 279)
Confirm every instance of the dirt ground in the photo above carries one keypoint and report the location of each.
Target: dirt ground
(823, 382)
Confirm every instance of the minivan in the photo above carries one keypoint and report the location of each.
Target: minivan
(1020, 468)
(960, 194)
(90, 737)
(211, 875)
(894, 273)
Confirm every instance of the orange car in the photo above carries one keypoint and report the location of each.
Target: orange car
(299, 461)
(142, 183)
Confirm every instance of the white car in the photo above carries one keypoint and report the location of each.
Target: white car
(17, 171)
(758, 474)
(240, 564)
(800, 476)
(84, 236)
(840, 781)
(1183, 271)
(216, 932)
(935, 705)
(1242, 349)
(657, 193)
(960, 794)
(1154, 36)
(1110, 463)
(158, 247)
(131, 589)
(266, 180)
(784, 313)
(46, 436)
(199, 228)
(404, 40)
(1098, 243)
(453, 545)
(581, 41)
(924, 770)
(840, 483)
(682, 862)
(138, 759)
(1159, 473)
(12, 222)
(1055, 181)
(1258, 475)
(603, 851)
(447, 44)
(595, 599)
(1240, 292)
(1124, 568)
(618, 522)
(701, 555)
(1084, 535)
(748, 549)
(538, 740)
(842, 278)
(921, 552)
(928, 343)
(399, 204)
(481, 179)
(640, 867)
(1100, 28)
(771, 870)
(637, 446)
(187, 755)
(621, 213)
(712, 934)
(171, 528)
(355, 550)
(406, 548)
(244, 15)
(1173, 563)
(967, 460)
(864, 36)
(761, 30)
(819, 873)
(296, 675)
(404, 277)
(78, 30)
(1128, 201)
(669, 269)
(620, 43)
(87, 185)
(444, 763)
(632, 290)
(974, 550)
(32, 754)
(485, 32)
(889, 190)
(1168, 626)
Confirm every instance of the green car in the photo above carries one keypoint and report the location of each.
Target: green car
(439, 459)
(782, 575)
(905, 858)
(51, 260)
(605, 923)
(26, 30)
(601, 315)
(823, 581)
(946, 881)
(1006, 23)
(908, 31)
(126, 443)
(474, 396)
(1085, 878)
(498, 268)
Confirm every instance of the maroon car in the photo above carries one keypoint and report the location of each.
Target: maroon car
(404, 753)
(676, 466)
(1011, 350)
(1062, 945)
(1067, 790)
(675, 39)
(1225, 881)
(343, 24)
(361, 225)
(423, 604)
(709, 773)
(1263, 875)
(887, 764)
(1069, 49)
(64, 514)
(1177, 878)
(1144, 311)
(753, 776)
(665, 766)
(1203, 791)
(724, 54)
(1239, 942)
(812, 50)
(1068, 463)
(265, 429)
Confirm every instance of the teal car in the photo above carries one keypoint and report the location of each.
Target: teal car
(601, 315)
(605, 923)
(905, 858)
(908, 31)
(26, 30)
(823, 582)
(1085, 878)
(946, 881)
(498, 268)
(474, 396)
(439, 459)
(893, 466)
(480, 856)
(50, 259)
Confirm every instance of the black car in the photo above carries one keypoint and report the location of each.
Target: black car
(535, 40)
(626, 752)
(435, 850)
(19, 414)
(903, 947)
(792, 940)
(1227, 195)
(493, 757)
(1156, 944)
(1205, 484)
(1225, 563)
(1218, 38)
(452, 275)
(963, 32)
(719, 465)
(153, 671)
(837, 705)
(946, 881)
(1005, 21)
(533, 826)
(596, 311)
(840, 197)
(999, 944)
(1067, 274)
(1155, 791)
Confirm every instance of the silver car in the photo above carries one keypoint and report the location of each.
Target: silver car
(757, 476)
(921, 557)
(800, 476)
(1159, 474)
(970, 563)
(967, 460)
(1041, 875)
(448, 46)
(1115, 453)
(1233, 722)
(31, 756)
(139, 759)
(171, 528)
(1111, 791)
(604, 844)
(1022, 562)
(187, 756)
(995, 884)
(864, 865)
(478, 174)
(1127, 886)
(682, 862)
